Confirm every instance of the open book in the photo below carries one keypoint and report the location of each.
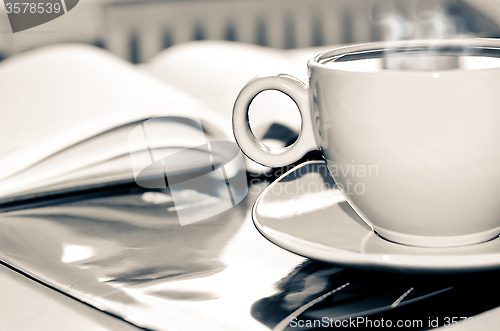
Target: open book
(75, 117)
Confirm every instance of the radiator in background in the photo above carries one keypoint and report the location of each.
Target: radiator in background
(138, 29)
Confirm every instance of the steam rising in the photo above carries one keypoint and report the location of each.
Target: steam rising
(432, 24)
(420, 22)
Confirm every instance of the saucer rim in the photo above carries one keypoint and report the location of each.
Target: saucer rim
(434, 263)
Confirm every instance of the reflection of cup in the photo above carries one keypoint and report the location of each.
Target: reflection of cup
(419, 139)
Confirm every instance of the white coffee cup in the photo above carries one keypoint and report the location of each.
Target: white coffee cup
(420, 118)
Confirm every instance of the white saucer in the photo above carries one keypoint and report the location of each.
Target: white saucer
(305, 213)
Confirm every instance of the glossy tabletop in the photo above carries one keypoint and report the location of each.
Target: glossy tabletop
(125, 253)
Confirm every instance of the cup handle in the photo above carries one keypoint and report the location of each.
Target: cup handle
(250, 145)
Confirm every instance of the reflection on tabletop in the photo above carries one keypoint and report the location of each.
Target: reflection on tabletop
(126, 254)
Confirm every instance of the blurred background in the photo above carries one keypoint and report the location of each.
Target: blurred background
(138, 29)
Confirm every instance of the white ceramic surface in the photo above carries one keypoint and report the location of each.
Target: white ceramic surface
(414, 151)
(305, 213)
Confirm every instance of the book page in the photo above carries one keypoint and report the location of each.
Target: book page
(57, 97)
(216, 71)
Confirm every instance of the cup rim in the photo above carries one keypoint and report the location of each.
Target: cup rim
(318, 60)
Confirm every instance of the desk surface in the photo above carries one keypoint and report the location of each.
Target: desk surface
(132, 259)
